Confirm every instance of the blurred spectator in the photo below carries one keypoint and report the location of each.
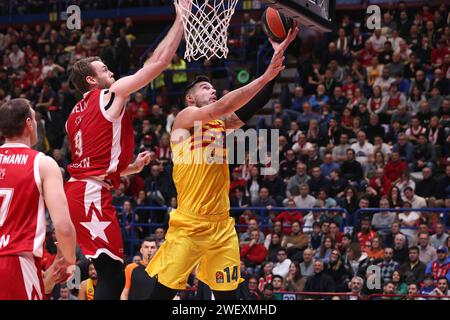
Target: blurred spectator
(320, 281)
(440, 267)
(253, 253)
(426, 252)
(281, 268)
(388, 265)
(413, 270)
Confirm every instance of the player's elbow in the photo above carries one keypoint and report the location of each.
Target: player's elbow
(65, 229)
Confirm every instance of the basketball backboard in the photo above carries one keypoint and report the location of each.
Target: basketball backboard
(315, 14)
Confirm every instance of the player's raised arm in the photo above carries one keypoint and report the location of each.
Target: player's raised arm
(236, 98)
(56, 202)
(160, 59)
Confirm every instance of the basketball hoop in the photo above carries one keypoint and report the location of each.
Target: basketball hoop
(205, 28)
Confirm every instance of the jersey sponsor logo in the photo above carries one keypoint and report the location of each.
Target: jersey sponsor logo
(219, 277)
(4, 240)
(2, 174)
(85, 163)
(14, 159)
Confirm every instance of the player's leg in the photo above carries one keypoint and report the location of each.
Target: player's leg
(225, 295)
(111, 277)
(98, 233)
(176, 258)
(20, 279)
(220, 266)
(161, 292)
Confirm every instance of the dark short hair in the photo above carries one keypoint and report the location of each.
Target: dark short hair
(414, 248)
(197, 79)
(13, 115)
(278, 276)
(149, 239)
(82, 69)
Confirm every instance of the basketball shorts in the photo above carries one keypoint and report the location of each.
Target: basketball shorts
(20, 278)
(94, 218)
(212, 246)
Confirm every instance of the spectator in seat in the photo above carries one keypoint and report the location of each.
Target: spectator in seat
(428, 284)
(253, 253)
(307, 265)
(356, 261)
(440, 267)
(317, 182)
(245, 237)
(440, 237)
(404, 148)
(388, 265)
(288, 166)
(281, 268)
(352, 169)
(400, 287)
(277, 283)
(395, 198)
(320, 281)
(340, 151)
(424, 155)
(356, 286)
(400, 249)
(295, 242)
(336, 270)
(426, 187)
(375, 253)
(265, 199)
(328, 165)
(408, 221)
(383, 220)
(323, 253)
(288, 217)
(274, 246)
(295, 281)
(379, 184)
(366, 234)
(304, 199)
(427, 253)
(337, 185)
(394, 167)
(301, 177)
(441, 289)
(415, 200)
(413, 270)
(266, 275)
(276, 186)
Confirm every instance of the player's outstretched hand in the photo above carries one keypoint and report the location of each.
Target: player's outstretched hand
(142, 160)
(182, 6)
(277, 63)
(292, 34)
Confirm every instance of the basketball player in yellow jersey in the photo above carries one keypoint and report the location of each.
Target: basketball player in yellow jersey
(87, 287)
(201, 232)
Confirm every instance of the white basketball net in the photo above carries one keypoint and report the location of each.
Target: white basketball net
(205, 28)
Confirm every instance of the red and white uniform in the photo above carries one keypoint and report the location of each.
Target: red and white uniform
(101, 148)
(22, 223)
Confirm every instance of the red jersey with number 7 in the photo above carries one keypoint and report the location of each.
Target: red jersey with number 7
(100, 146)
(22, 208)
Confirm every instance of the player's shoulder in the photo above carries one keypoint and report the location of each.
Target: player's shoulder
(130, 267)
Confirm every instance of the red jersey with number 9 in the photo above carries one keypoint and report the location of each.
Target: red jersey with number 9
(100, 146)
(22, 208)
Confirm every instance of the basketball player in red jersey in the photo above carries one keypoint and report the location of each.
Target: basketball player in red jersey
(28, 178)
(101, 135)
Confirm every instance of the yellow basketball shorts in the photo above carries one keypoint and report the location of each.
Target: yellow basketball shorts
(212, 246)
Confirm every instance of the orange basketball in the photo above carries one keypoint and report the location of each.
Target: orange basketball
(275, 24)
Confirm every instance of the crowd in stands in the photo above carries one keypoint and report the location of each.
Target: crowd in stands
(367, 125)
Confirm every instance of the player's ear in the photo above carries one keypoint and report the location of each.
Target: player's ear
(189, 99)
(91, 80)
